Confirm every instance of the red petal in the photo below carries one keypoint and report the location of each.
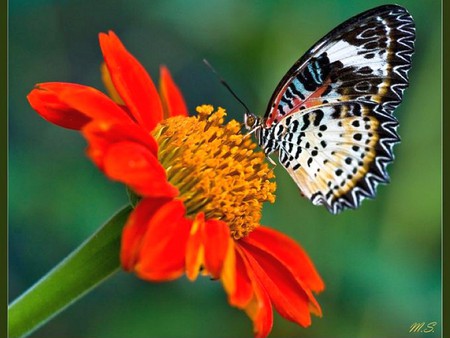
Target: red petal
(215, 240)
(101, 135)
(288, 296)
(86, 100)
(260, 307)
(47, 103)
(132, 82)
(134, 230)
(289, 253)
(136, 166)
(243, 290)
(171, 96)
(163, 249)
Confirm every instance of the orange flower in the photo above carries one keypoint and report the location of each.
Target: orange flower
(197, 186)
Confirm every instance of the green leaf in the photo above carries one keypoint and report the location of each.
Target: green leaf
(90, 264)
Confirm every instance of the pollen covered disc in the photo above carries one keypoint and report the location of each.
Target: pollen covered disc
(330, 118)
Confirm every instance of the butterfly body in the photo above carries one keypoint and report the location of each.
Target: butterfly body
(330, 118)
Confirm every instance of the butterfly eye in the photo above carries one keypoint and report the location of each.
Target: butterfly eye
(250, 121)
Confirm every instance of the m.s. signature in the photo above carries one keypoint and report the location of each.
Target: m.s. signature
(422, 327)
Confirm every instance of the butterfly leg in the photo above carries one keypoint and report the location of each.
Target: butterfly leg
(270, 160)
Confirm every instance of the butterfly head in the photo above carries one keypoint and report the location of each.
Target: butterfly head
(252, 122)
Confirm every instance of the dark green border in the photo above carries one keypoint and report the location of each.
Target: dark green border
(3, 156)
(4, 168)
(445, 164)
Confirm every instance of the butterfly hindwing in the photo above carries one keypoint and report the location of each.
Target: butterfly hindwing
(335, 153)
(331, 118)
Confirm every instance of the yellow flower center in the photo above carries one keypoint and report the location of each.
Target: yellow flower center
(215, 168)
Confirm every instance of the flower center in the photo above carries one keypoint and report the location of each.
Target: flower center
(215, 168)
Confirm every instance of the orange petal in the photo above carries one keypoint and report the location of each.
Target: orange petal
(135, 229)
(107, 82)
(228, 274)
(288, 296)
(131, 81)
(47, 104)
(289, 253)
(243, 291)
(46, 100)
(136, 166)
(195, 249)
(171, 97)
(163, 248)
(101, 134)
(86, 100)
(215, 238)
(259, 309)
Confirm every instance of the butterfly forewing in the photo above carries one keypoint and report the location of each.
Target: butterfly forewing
(331, 118)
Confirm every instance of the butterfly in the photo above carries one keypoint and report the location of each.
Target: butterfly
(330, 117)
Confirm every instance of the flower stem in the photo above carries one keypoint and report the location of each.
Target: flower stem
(92, 262)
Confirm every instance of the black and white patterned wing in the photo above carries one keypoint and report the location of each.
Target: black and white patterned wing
(331, 118)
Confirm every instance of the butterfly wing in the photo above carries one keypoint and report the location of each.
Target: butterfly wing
(337, 162)
(341, 94)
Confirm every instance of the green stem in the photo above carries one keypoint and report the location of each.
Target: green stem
(91, 263)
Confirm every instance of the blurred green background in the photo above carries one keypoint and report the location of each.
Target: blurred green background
(381, 263)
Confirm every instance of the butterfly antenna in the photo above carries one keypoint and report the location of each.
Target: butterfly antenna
(227, 86)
